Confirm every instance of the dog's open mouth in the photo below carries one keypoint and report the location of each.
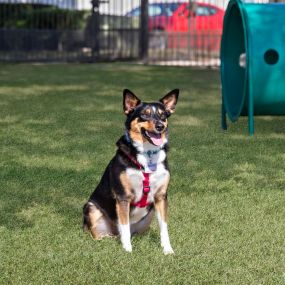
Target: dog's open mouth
(153, 138)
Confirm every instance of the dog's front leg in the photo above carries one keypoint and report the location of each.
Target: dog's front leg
(161, 206)
(123, 212)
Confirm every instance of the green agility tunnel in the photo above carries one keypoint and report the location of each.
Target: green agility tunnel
(253, 61)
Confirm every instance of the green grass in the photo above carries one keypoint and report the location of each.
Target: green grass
(59, 125)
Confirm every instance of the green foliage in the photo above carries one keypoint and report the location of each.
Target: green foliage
(59, 125)
(40, 17)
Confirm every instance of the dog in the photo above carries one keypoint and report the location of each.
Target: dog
(134, 184)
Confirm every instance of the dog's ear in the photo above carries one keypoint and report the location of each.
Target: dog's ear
(170, 100)
(130, 102)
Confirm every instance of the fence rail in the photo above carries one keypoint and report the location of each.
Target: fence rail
(162, 32)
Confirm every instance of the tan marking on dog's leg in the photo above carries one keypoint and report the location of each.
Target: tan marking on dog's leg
(94, 217)
(99, 225)
(123, 213)
(127, 186)
(160, 201)
(161, 207)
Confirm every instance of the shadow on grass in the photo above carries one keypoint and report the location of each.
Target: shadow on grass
(60, 190)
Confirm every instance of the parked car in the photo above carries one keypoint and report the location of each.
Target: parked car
(156, 10)
(199, 25)
(180, 25)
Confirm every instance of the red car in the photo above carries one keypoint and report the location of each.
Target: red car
(182, 25)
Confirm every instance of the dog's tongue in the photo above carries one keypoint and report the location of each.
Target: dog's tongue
(155, 138)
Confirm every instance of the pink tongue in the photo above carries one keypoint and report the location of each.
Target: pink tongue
(156, 139)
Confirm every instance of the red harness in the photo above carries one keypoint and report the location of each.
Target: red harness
(142, 203)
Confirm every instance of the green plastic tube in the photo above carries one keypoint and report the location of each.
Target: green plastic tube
(253, 61)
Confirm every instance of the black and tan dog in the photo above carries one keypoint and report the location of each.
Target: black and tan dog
(134, 184)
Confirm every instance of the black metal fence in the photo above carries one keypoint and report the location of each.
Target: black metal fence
(161, 32)
(58, 30)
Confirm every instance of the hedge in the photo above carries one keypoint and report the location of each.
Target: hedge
(33, 16)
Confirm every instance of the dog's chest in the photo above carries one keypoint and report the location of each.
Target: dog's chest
(152, 160)
(157, 179)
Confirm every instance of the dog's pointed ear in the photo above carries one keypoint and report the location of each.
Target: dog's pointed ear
(130, 101)
(170, 100)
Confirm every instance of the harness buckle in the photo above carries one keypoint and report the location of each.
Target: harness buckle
(146, 189)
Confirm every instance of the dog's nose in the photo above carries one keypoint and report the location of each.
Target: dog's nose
(159, 126)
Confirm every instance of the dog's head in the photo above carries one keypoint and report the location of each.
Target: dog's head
(148, 122)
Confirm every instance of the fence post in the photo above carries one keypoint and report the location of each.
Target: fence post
(95, 28)
(143, 48)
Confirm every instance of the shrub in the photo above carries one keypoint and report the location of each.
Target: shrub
(31, 16)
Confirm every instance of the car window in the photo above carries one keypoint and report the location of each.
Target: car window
(154, 10)
(170, 8)
(205, 11)
(136, 12)
(166, 9)
(213, 11)
(202, 11)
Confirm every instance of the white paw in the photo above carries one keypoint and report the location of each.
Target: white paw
(168, 250)
(127, 247)
(125, 237)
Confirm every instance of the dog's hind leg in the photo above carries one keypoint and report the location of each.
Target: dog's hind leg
(96, 222)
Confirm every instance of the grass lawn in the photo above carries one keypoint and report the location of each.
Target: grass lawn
(59, 125)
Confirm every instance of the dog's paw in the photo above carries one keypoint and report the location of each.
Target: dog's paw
(168, 250)
(127, 247)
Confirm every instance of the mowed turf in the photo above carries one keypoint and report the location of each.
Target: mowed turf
(59, 125)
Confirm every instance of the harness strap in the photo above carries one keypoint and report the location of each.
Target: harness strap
(134, 161)
(142, 203)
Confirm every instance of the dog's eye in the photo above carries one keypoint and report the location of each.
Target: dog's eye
(162, 116)
(146, 114)
(144, 117)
